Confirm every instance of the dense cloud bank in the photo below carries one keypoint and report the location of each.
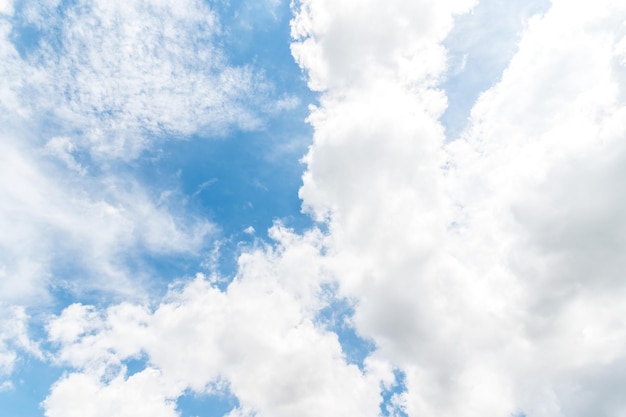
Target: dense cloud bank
(488, 270)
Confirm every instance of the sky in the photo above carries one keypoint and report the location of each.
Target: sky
(278, 208)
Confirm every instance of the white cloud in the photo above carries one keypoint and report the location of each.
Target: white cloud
(63, 149)
(487, 269)
(85, 85)
(6, 7)
(117, 74)
(103, 81)
(118, 77)
(259, 334)
(143, 394)
(258, 337)
(345, 43)
(89, 225)
(14, 340)
(480, 46)
(548, 177)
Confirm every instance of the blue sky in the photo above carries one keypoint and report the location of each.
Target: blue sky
(319, 207)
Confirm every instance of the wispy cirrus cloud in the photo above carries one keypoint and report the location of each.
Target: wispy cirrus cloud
(119, 75)
(88, 88)
(14, 341)
(78, 233)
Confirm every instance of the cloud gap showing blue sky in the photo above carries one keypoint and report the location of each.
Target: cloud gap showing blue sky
(480, 45)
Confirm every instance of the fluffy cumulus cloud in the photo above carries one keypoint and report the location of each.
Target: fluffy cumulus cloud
(259, 339)
(487, 269)
(538, 172)
(344, 43)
